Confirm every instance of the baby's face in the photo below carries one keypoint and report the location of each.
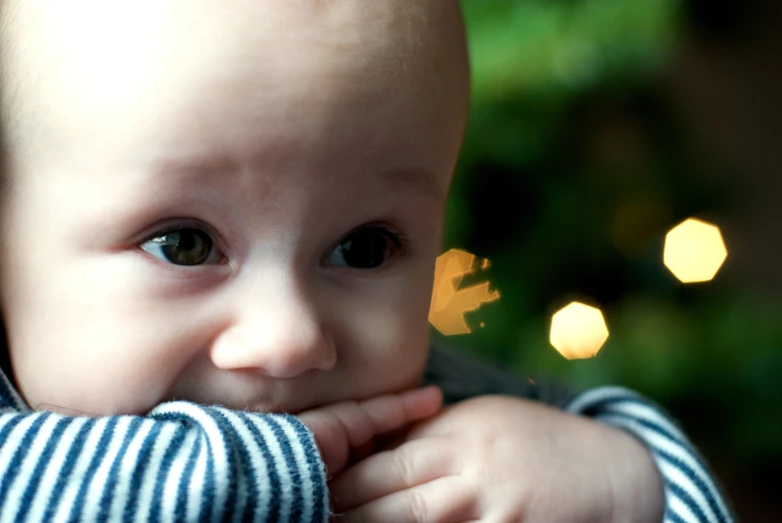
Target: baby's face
(235, 205)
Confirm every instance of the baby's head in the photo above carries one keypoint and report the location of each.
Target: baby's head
(225, 202)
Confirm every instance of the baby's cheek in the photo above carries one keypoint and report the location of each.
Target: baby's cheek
(104, 366)
(391, 352)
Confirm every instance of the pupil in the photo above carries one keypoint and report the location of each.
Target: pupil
(365, 250)
(187, 247)
(187, 241)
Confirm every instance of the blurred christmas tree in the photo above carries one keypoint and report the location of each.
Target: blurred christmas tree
(574, 168)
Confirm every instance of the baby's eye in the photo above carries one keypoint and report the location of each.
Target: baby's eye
(185, 246)
(364, 249)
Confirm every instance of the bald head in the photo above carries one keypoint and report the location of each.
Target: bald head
(66, 65)
(307, 144)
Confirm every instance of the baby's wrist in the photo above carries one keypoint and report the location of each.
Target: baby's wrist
(636, 485)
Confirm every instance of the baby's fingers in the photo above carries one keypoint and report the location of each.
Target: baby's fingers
(394, 411)
(412, 464)
(444, 500)
(341, 426)
(360, 421)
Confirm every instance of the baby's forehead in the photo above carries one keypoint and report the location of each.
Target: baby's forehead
(98, 51)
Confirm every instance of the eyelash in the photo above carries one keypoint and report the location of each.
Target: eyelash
(214, 239)
(397, 239)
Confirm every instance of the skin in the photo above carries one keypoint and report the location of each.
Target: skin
(495, 459)
(344, 431)
(280, 129)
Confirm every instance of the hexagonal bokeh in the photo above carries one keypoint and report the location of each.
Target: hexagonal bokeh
(578, 331)
(694, 251)
(450, 301)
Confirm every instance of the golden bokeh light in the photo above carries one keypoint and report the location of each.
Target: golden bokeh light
(578, 331)
(694, 251)
(450, 303)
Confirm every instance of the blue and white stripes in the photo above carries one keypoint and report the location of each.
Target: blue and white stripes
(182, 462)
(690, 492)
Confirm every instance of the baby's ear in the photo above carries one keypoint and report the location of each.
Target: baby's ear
(61, 410)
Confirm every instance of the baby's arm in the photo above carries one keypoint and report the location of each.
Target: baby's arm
(183, 461)
(690, 492)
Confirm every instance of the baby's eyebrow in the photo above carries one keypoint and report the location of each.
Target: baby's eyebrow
(192, 170)
(416, 179)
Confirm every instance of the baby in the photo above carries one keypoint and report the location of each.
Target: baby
(213, 212)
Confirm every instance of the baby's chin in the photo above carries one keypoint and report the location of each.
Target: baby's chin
(281, 403)
(250, 392)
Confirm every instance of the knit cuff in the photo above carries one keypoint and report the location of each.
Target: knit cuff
(691, 493)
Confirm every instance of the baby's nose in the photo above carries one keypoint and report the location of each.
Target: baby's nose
(281, 338)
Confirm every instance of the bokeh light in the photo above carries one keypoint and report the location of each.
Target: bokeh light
(694, 251)
(450, 302)
(578, 331)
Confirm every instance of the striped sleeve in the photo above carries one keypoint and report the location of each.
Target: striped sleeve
(691, 494)
(182, 462)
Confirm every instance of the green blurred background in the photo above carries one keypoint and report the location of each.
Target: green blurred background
(596, 126)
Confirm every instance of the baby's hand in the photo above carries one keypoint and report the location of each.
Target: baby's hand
(504, 459)
(343, 429)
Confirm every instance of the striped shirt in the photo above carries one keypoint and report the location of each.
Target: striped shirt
(187, 462)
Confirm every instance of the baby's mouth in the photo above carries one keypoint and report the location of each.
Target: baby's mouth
(65, 411)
